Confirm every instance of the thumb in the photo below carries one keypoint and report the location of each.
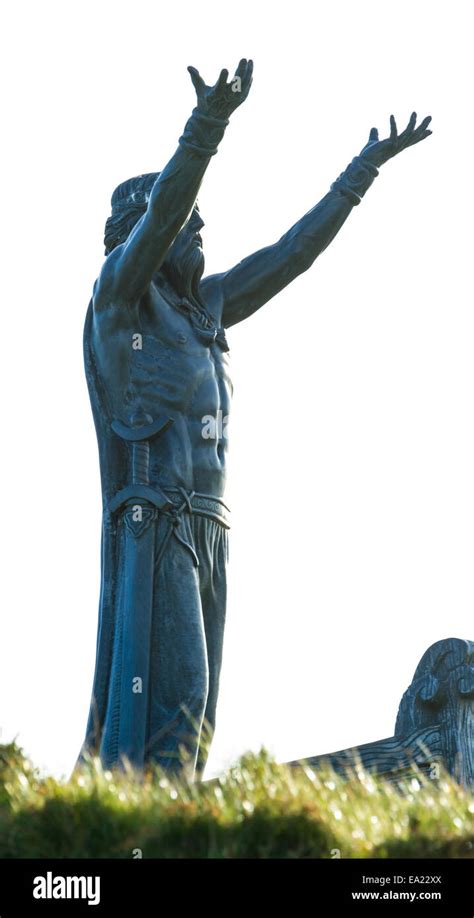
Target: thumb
(196, 78)
(374, 135)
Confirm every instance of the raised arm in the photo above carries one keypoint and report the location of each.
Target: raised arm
(243, 289)
(130, 267)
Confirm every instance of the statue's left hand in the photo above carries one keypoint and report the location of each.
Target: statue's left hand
(378, 151)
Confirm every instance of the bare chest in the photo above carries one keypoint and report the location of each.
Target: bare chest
(163, 360)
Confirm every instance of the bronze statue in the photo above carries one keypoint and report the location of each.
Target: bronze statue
(157, 367)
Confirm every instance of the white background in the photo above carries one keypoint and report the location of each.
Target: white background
(352, 448)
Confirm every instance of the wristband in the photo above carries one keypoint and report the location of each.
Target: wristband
(356, 179)
(203, 133)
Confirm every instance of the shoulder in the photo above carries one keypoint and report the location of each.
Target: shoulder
(104, 295)
(111, 314)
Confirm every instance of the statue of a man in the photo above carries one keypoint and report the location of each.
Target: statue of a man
(157, 367)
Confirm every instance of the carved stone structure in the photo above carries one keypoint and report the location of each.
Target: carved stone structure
(435, 722)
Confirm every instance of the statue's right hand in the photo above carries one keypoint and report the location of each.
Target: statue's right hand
(223, 98)
(379, 151)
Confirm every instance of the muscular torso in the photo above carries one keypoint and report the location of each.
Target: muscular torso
(168, 372)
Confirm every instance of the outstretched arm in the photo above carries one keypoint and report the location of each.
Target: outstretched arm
(130, 267)
(243, 289)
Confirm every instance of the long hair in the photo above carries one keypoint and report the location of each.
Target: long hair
(129, 202)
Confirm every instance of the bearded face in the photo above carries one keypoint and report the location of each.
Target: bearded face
(184, 262)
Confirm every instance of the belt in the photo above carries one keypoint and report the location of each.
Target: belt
(195, 502)
(175, 502)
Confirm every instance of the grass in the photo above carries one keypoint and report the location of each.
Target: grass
(257, 809)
